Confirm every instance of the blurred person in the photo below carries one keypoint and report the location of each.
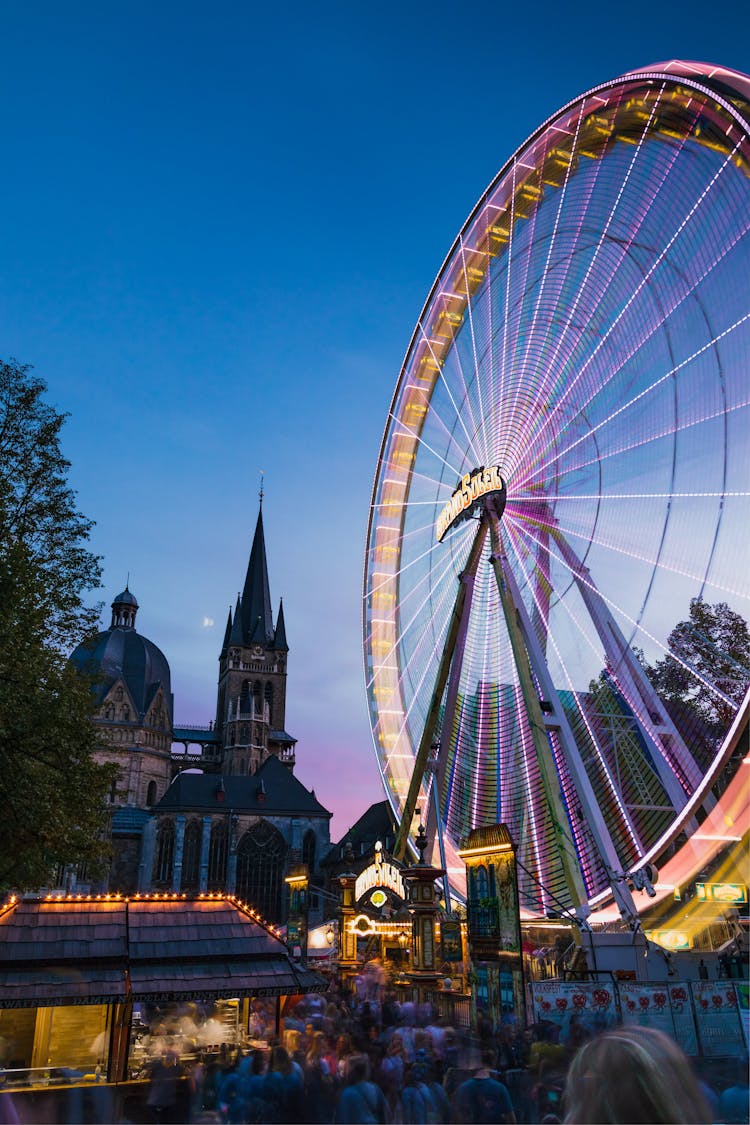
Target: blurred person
(734, 1101)
(283, 1088)
(360, 1102)
(319, 1082)
(633, 1075)
(162, 1093)
(251, 1074)
(482, 1100)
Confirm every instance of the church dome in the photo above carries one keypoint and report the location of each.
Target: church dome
(120, 653)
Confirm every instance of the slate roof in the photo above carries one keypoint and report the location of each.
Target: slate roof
(128, 819)
(72, 952)
(376, 823)
(281, 793)
(121, 653)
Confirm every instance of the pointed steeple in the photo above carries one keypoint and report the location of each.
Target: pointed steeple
(235, 633)
(227, 633)
(279, 641)
(257, 618)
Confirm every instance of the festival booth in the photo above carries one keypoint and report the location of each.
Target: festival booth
(92, 988)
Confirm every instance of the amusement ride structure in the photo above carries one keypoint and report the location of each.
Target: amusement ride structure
(564, 469)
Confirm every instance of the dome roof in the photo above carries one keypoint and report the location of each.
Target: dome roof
(121, 653)
(125, 598)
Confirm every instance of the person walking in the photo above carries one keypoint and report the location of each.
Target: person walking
(360, 1102)
(482, 1100)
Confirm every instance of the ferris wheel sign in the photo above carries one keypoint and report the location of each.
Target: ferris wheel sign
(471, 488)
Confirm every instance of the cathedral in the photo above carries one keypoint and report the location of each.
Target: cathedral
(227, 812)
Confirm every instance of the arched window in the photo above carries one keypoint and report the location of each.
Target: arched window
(268, 693)
(260, 868)
(244, 735)
(164, 852)
(245, 694)
(257, 696)
(125, 713)
(151, 794)
(308, 856)
(217, 857)
(483, 887)
(191, 856)
(308, 851)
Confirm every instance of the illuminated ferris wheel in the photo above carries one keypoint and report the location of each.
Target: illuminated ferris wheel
(565, 465)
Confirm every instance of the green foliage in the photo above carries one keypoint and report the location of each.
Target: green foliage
(714, 644)
(52, 791)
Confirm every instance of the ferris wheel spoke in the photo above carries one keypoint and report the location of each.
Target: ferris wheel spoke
(599, 762)
(699, 578)
(446, 385)
(648, 390)
(639, 443)
(629, 355)
(546, 272)
(659, 259)
(621, 612)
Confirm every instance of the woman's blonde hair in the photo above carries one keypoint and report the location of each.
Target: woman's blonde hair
(633, 1076)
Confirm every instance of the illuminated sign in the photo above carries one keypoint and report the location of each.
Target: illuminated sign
(670, 939)
(470, 489)
(379, 874)
(721, 892)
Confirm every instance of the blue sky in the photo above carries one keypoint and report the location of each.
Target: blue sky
(220, 222)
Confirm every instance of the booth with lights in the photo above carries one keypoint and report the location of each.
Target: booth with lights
(93, 988)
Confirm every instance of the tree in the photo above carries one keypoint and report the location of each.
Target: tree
(713, 644)
(52, 790)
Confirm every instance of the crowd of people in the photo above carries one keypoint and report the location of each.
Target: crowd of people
(346, 1058)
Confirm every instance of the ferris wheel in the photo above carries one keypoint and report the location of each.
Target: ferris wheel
(565, 465)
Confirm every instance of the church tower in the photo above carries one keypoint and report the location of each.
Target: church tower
(251, 704)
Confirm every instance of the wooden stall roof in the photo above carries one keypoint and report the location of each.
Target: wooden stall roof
(70, 951)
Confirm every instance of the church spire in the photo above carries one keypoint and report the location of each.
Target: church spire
(257, 618)
(227, 633)
(279, 641)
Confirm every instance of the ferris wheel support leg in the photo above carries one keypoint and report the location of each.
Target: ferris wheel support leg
(565, 842)
(528, 656)
(652, 717)
(459, 617)
(434, 817)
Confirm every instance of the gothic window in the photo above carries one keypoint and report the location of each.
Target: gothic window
(164, 852)
(109, 711)
(308, 851)
(125, 713)
(483, 887)
(308, 857)
(245, 697)
(260, 868)
(191, 856)
(217, 857)
(256, 697)
(244, 734)
(269, 699)
(151, 793)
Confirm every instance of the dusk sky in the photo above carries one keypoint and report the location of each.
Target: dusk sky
(220, 223)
